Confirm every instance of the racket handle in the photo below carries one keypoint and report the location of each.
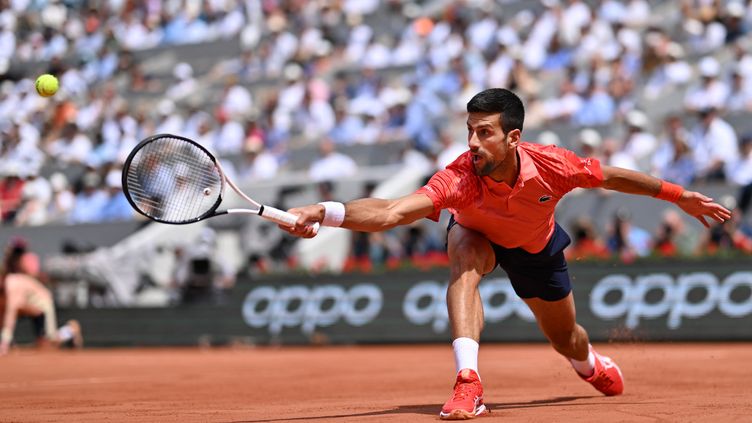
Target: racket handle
(282, 217)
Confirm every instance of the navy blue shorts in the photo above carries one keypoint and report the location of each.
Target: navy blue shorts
(541, 275)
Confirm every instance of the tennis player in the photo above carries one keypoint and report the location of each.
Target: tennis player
(23, 295)
(502, 194)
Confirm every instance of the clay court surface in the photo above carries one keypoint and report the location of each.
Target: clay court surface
(664, 382)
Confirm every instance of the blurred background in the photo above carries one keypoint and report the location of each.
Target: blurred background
(308, 101)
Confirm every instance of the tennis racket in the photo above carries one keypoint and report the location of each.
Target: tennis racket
(172, 179)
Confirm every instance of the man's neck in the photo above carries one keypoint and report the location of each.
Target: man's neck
(509, 170)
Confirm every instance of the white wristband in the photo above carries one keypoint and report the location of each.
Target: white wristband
(6, 336)
(334, 213)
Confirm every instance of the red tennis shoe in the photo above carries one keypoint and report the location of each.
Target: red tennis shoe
(607, 376)
(467, 399)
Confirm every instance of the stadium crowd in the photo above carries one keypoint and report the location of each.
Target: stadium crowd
(336, 73)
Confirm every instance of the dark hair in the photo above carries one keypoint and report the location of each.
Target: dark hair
(11, 262)
(499, 100)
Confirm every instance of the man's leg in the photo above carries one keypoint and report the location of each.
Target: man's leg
(557, 321)
(470, 257)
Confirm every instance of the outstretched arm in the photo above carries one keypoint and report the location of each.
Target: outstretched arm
(693, 203)
(364, 215)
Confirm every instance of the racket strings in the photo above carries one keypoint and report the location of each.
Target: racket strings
(173, 180)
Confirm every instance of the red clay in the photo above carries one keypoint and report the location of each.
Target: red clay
(531, 383)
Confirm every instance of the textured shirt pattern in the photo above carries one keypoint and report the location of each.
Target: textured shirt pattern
(519, 216)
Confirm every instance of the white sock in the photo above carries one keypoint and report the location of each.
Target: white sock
(585, 367)
(65, 333)
(466, 354)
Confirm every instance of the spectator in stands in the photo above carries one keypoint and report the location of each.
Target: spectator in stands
(20, 145)
(420, 126)
(730, 236)
(673, 160)
(230, 134)
(589, 142)
(116, 206)
(62, 201)
(585, 242)
(72, 147)
(257, 163)
(674, 237)
(740, 99)
(185, 85)
(615, 156)
(236, 100)
(465, 48)
(711, 92)
(11, 192)
(626, 240)
(597, 108)
(639, 143)
(90, 201)
(672, 72)
(450, 149)
(35, 197)
(740, 173)
(733, 19)
(714, 146)
(347, 127)
(331, 165)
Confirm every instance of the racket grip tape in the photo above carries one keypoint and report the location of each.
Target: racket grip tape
(281, 216)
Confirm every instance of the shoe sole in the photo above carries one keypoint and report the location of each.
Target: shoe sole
(462, 414)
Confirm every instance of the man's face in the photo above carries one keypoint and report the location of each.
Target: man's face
(488, 143)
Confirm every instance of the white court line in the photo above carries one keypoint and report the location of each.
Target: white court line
(65, 382)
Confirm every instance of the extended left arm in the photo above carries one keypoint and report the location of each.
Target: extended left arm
(693, 203)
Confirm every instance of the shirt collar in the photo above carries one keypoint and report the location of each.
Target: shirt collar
(528, 170)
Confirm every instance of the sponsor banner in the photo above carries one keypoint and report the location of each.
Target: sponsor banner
(686, 301)
(668, 301)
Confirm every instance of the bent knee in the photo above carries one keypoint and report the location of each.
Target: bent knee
(470, 249)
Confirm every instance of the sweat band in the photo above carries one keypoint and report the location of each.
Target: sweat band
(6, 336)
(334, 213)
(670, 192)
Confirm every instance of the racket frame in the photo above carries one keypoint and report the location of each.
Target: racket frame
(267, 212)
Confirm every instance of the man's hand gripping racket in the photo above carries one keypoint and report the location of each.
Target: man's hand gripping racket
(172, 179)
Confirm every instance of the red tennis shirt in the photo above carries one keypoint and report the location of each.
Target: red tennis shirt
(519, 216)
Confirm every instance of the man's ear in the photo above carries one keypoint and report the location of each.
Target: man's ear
(513, 137)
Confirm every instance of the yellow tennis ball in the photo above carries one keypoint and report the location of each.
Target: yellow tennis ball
(46, 85)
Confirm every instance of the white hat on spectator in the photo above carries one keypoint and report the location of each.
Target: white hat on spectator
(7, 87)
(58, 181)
(293, 72)
(590, 137)
(694, 27)
(549, 138)
(114, 179)
(166, 107)
(523, 19)
(630, 39)
(182, 71)
(637, 119)
(709, 67)
(551, 3)
(735, 9)
(11, 168)
(675, 50)
(507, 36)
